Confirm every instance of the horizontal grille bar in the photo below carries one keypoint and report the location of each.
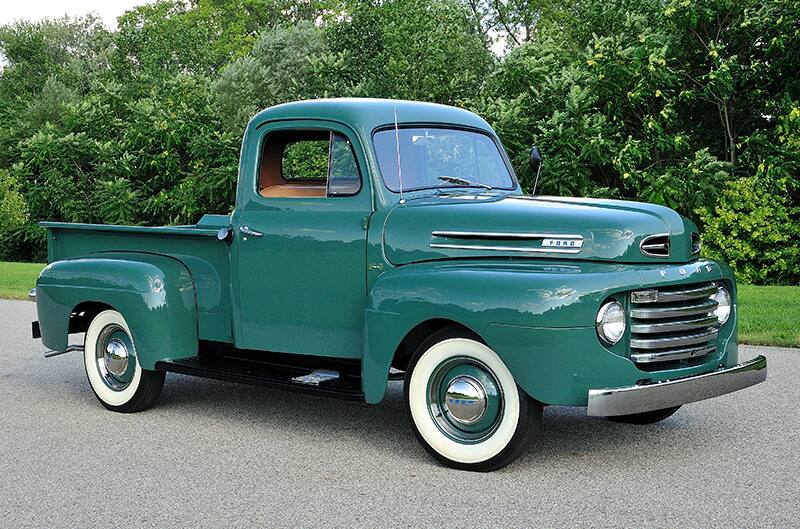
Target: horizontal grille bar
(653, 313)
(678, 341)
(671, 355)
(673, 326)
(667, 296)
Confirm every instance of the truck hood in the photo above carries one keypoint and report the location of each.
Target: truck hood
(467, 224)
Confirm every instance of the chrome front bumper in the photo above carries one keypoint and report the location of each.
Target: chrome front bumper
(658, 395)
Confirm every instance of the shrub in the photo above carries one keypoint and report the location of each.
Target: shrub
(13, 211)
(755, 229)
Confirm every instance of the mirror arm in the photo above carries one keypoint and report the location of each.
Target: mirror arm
(536, 180)
(536, 160)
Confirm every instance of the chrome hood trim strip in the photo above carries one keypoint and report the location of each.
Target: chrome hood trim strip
(503, 235)
(503, 248)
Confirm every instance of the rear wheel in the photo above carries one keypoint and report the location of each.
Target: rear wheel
(112, 366)
(648, 417)
(464, 406)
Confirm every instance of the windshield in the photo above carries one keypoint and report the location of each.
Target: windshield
(435, 157)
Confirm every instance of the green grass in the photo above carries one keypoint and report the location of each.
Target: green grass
(767, 315)
(16, 279)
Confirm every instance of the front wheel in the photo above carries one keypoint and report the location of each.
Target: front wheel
(112, 366)
(464, 406)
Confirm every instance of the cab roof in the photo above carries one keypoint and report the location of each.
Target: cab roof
(368, 114)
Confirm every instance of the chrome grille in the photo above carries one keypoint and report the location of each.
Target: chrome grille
(672, 324)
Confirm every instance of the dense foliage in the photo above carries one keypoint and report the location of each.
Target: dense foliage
(690, 103)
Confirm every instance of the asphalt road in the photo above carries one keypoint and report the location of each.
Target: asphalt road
(213, 454)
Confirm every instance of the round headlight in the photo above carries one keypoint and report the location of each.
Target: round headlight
(723, 299)
(610, 322)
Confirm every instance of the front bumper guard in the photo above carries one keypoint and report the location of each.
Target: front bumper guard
(641, 398)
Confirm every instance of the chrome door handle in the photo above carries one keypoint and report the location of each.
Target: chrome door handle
(248, 232)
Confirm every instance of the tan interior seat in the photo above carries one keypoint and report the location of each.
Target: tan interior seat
(295, 190)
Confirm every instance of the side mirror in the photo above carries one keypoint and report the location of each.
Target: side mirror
(536, 160)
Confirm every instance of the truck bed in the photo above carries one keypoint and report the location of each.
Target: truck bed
(196, 246)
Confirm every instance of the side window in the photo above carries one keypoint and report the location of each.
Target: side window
(308, 163)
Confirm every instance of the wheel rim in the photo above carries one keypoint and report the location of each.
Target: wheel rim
(115, 357)
(465, 400)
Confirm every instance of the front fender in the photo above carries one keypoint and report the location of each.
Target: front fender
(155, 294)
(475, 294)
(539, 318)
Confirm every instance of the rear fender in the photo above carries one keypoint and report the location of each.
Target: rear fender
(155, 294)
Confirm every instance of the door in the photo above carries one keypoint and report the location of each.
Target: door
(299, 260)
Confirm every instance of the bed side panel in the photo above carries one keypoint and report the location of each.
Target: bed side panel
(206, 258)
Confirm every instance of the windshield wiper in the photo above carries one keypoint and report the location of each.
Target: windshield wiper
(464, 182)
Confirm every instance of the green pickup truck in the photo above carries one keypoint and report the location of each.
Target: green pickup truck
(376, 240)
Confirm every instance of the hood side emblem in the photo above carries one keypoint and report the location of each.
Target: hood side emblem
(562, 243)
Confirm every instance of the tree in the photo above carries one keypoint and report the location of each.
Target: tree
(72, 50)
(514, 22)
(105, 143)
(203, 36)
(410, 49)
(632, 95)
(284, 65)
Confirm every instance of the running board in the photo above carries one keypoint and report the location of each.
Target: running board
(346, 387)
(70, 349)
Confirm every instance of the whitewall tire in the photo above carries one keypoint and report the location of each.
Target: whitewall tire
(112, 366)
(464, 406)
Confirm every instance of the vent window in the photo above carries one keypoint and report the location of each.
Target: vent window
(655, 245)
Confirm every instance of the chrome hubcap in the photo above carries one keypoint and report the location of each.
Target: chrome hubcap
(116, 357)
(465, 400)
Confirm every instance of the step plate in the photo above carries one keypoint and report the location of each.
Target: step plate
(257, 374)
(317, 377)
